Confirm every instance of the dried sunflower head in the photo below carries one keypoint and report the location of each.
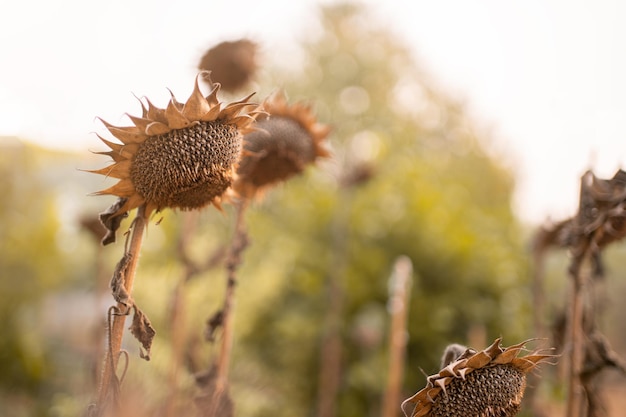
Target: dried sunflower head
(285, 141)
(489, 383)
(232, 63)
(183, 156)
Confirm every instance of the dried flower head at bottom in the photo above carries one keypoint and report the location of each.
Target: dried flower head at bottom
(489, 383)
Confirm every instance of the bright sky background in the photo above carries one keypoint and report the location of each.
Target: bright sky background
(547, 76)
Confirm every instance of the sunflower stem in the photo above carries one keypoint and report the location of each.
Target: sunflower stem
(331, 349)
(178, 311)
(233, 261)
(109, 381)
(399, 298)
(576, 345)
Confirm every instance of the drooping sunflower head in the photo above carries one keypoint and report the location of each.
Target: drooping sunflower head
(489, 383)
(183, 156)
(285, 141)
(231, 63)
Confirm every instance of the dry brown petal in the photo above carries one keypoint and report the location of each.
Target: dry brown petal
(143, 331)
(111, 221)
(118, 279)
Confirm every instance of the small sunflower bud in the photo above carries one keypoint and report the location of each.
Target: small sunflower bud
(232, 64)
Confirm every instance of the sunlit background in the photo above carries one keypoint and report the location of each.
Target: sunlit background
(478, 119)
(545, 76)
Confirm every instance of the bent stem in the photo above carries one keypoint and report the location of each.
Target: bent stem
(109, 381)
(178, 312)
(576, 345)
(238, 245)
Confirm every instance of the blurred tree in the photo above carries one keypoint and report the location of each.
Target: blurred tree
(436, 194)
(30, 264)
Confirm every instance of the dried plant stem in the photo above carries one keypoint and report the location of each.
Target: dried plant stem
(238, 245)
(116, 331)
(575, 342)
(178, 317)
(331, 349)
(537, 291)
(101, 291)
(538, 276)
(178, 329)
(400, 284)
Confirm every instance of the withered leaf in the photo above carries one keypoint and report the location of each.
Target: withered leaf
(111, 222)
(215, 322)
(117, 280)
(143, 331)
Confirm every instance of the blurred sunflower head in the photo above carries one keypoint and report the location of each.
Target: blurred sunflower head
(183, 156)
(231, 63)
(286, 139)
(489, 383)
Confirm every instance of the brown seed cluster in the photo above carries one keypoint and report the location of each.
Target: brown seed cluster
(281, 147)
(183, 156)
(186, 168)
(189, 155)
(489, 383)
(487, 392)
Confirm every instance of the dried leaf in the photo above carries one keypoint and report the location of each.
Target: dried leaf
(112, 222)
(117, 281)
(143, 331)
(215, 322)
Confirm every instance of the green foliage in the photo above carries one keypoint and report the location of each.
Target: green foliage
(30, 266)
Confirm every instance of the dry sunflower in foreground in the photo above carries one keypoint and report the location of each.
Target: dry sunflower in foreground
(183, 156)
(288, 138)
(489, 383)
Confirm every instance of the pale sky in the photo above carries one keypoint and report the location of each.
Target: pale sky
(547, 76)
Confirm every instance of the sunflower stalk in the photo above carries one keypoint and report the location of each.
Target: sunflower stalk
(109, 382)
(233, 261)
(177, 310)
(576, 343)
(331, 349)
(599, 222)
(399, 299)
(93, 225)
